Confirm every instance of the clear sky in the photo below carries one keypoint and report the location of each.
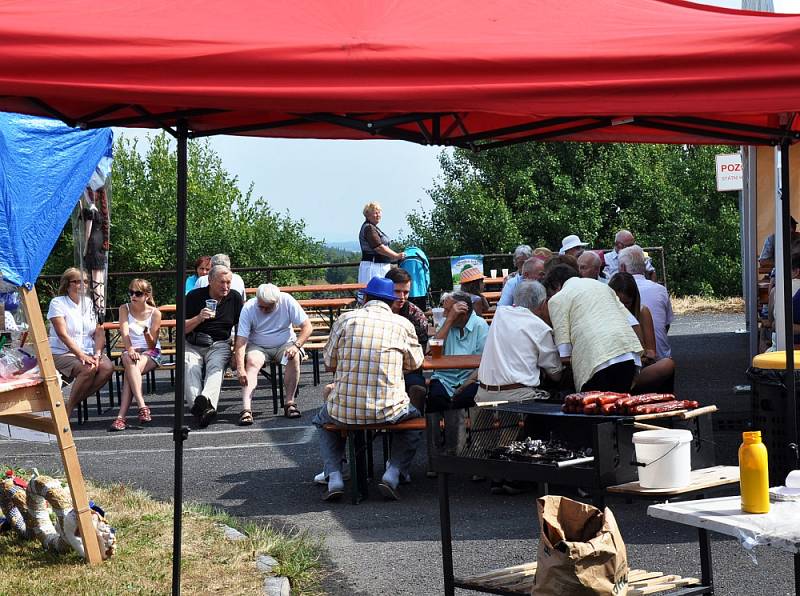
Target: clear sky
(326, 183)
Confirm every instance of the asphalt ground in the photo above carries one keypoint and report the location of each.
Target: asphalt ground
(265, 473)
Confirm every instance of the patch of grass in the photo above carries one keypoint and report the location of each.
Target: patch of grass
(143, 561)
(692, 305)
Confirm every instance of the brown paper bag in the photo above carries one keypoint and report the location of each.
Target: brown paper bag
(581, 552)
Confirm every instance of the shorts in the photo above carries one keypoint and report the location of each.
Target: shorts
(68, 364)
(271, 354)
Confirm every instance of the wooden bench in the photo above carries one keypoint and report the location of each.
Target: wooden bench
(519, 579)
(359, 449)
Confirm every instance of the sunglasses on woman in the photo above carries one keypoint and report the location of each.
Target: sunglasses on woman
(137, 293)
(78, 282)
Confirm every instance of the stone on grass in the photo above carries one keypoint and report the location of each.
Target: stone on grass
(277, 586)
(233, 534)
(265, 563)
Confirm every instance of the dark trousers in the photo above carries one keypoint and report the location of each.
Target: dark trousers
(439, 400)
(617, 378)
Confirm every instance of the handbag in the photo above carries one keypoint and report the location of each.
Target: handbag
(200, 339)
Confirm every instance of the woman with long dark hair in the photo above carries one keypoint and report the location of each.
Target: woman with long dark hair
(656, 375)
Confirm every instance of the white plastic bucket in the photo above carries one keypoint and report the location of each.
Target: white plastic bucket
(666, 456)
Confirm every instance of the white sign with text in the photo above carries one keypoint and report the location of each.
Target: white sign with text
(729, 172)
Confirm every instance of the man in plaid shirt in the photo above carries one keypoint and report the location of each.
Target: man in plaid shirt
(368, 350)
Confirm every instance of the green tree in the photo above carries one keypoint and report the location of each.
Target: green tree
(537, 193)
(220, 218)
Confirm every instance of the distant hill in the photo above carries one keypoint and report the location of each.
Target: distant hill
(350, 246)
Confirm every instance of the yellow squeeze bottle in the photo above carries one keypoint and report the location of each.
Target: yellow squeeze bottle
(753, 473)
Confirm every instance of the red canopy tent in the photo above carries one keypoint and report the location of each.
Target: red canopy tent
(447, 72)
(466, 73)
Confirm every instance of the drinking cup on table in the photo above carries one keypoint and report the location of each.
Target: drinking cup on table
(437, 347)
(211, 305)
(493, 273)
(505, 273)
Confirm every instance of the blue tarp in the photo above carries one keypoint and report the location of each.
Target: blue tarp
(44, 167)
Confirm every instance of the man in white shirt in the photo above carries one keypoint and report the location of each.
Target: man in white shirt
(623, 239)
(266, 333)
(652, 295)
(518, 349)
(237, 283)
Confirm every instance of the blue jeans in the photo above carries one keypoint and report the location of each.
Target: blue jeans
(332, 444)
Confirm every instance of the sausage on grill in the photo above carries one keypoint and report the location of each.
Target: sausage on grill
(669, 406)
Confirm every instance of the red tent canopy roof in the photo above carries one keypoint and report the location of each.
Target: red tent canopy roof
(462, 72)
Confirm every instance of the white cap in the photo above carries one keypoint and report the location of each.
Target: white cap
(569, 242)
(268, 293)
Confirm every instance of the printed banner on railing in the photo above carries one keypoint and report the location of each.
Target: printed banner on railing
(458, 264)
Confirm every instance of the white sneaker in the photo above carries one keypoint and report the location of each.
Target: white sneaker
(321, 478)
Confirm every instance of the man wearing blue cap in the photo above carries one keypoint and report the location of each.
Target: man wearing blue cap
(368, 350)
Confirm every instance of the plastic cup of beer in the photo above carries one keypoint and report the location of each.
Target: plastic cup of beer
(211, 305)
(438, 316)
(505, 273)
(493, 273)
(437, 347)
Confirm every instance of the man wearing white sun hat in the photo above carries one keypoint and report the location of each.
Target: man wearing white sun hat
(572, 245)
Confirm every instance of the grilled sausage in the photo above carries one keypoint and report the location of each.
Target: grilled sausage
(608, 409)
(658, 408)
(591, 409)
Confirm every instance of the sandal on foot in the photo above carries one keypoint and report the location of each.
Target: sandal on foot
(144, 415)
(117, 425)
(245, 418)
(291, 411)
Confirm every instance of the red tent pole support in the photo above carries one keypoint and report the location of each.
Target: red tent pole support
(788, 311)
(180, 432)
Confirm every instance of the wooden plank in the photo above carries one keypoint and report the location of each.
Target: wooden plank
(701, 479)
(698, 412)
(498, 572)
(31, 421)
(445, 362)
(57, 409)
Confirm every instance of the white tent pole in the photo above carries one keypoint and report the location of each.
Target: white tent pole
(749, 246)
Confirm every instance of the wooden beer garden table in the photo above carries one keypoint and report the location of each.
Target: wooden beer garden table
(333, 306)
(493, 281)
(448, 362)
(352, 288)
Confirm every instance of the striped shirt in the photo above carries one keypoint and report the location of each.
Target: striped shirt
(369, 348)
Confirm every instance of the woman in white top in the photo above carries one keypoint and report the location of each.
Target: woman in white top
(76, 338)
(139, 324)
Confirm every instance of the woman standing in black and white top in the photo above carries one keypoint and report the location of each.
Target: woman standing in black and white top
(376, 256)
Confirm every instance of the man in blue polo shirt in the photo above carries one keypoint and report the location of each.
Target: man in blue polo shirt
(464, 333)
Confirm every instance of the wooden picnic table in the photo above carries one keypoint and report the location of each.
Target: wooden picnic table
(492, 296)
(315, 288)
(493, 281)
(448, 362)
(333, 306)
(114, 325)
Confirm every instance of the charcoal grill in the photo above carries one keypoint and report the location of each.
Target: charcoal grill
(491, 430)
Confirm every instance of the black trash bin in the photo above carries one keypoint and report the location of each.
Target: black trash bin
(770, 411)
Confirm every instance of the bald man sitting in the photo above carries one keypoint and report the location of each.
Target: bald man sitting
(624, 239)
(589, 265)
